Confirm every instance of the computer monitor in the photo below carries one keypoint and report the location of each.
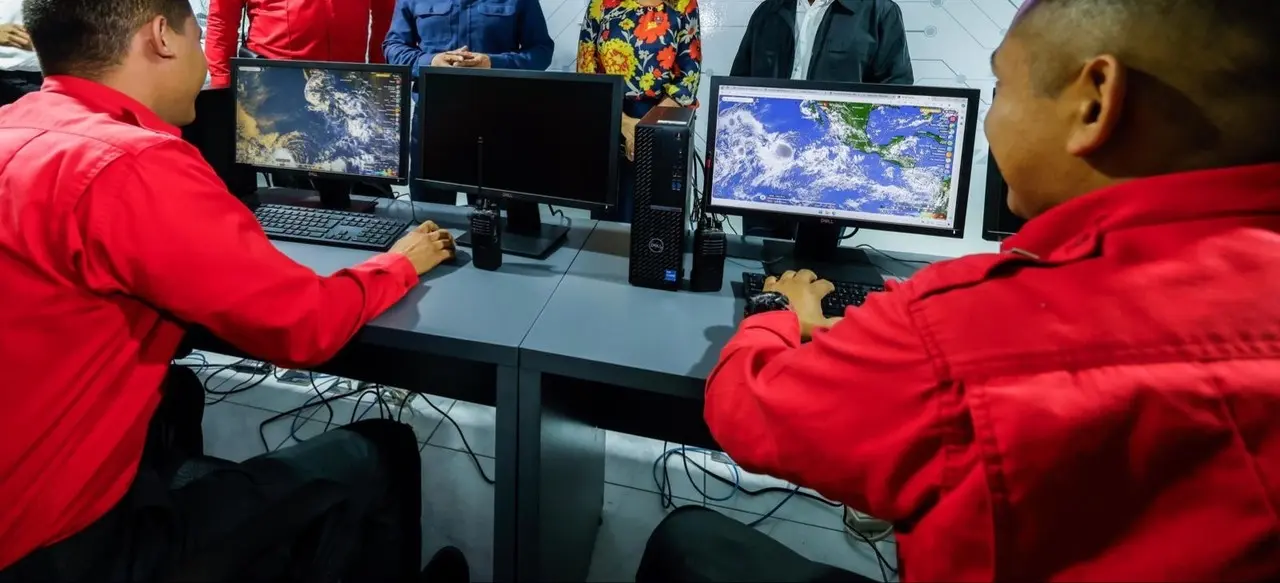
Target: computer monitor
(209, 133)
(840, 155)
(522, 138)
(335, 124)
(998, 222)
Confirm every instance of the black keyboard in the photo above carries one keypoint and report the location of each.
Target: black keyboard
(847, 293)
(329, 227)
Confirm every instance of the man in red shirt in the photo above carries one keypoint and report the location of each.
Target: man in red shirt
(309, 30)
(1096, 403)
(114, 236)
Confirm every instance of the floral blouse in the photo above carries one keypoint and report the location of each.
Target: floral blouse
(657, 50)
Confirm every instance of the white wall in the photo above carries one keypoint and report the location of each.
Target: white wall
(950, 42)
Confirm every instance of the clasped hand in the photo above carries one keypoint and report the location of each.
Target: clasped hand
(804, 291)
(461, 58)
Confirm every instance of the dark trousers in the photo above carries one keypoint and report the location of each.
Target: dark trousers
(345, 505)
(697, 544)
(15, 84)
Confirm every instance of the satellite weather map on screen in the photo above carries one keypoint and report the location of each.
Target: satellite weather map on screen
(319, 120)
(856, 156)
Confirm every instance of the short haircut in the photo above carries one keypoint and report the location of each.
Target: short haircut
(1222, 55)
(87, 37)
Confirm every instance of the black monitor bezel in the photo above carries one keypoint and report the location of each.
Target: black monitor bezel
(406, 92)
(995, 203)
(966, 150)
(611, 195)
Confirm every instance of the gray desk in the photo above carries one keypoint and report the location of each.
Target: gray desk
(600, 329)
(459, 332)
(456, 310)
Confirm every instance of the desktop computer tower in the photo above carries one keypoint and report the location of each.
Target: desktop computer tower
(660, 217)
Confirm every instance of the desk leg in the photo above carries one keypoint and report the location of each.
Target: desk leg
(561, 485)
(506, 484)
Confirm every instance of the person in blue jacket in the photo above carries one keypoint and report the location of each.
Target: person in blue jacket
(499, 34)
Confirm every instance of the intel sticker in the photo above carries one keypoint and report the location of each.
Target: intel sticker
(670, 275)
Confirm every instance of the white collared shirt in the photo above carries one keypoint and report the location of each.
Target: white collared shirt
(808, 19)
(12, 59)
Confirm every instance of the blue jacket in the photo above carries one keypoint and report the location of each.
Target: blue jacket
(512, 32)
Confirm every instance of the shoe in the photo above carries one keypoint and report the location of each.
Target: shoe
(448, 565)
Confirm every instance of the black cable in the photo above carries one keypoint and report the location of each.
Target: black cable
(555, 212)
(892, 258)
(844, 237)
(667, 497)
(883, 563)
(474, 458)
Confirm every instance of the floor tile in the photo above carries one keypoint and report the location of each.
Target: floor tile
(630, 516)
(273, 395)
(798, 508)
(457, 508)
(477, 424)
(629, 461)
(231, 431)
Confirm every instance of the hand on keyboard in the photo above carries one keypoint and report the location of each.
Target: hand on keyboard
(804, 291)
(426, 247)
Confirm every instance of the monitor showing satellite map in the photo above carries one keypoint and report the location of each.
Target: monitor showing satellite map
(336, 120)
(874, 157)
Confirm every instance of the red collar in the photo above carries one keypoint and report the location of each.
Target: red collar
(1172, 198)
(106, 100)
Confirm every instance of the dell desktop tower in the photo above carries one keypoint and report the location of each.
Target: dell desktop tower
(661, 215)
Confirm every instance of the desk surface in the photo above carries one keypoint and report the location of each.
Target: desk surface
(458, 310)
(598, 327)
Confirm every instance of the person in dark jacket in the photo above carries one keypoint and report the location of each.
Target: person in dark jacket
(853, 41)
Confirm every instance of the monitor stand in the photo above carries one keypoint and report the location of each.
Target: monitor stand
(817, 248)
(327, 194)
(524, 233)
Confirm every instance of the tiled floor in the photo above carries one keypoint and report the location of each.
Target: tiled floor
(458, 504)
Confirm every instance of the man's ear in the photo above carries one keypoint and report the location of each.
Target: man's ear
(158, 34)
(1096, 101)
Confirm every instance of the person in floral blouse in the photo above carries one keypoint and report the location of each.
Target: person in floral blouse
(656, 47)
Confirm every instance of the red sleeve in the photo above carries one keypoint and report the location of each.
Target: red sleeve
(853, 414)
(221, 37)
(380, 15)
(161, 227)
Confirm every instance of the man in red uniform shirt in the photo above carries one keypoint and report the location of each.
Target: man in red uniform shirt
(115, 235)
(307, 30)
(1099, 402)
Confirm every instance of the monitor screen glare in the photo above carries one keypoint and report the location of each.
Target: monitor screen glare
(319, 120)
(871, 157)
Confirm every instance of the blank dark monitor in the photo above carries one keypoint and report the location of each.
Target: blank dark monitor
(211, 134)
(547, 136)
(998, 222)
(522, 138)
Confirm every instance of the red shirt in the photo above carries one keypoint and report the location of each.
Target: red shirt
(1099, 402)
(297, 30)
(114, 233)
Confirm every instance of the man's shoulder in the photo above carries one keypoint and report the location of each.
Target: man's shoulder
(65, 122)
(962, 273)
(768, 7)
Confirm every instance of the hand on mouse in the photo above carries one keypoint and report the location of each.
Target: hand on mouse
(804, 291)
(426, 247)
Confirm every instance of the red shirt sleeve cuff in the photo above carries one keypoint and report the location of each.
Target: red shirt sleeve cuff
(782, 323)
(397, 265)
